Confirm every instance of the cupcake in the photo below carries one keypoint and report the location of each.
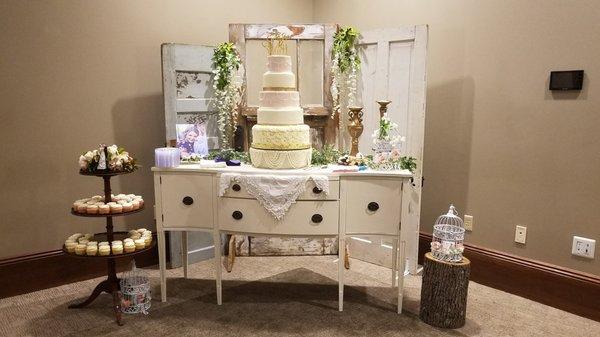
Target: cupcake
(132, 232)
(91, 209)
(117, 242)
(104, 250)
(80, 249)
(103, 243)
(147, 240)
(135, 204)
(116, 208)
(140, 244)
(140, 200)
(122, 202)
(117, 249)
(83, 241)
(127, 207)
(91, 250)
(88, 236)
(141, 230)
(129, 247)
(70, 246)
(103, 209)
(135, 236)
(97, 198)
(75, 236)
(92, 243)
(82, 208)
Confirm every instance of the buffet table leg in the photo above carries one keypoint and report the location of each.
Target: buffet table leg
(162, 262)
(341, 267)
(184, 253)
(230, 254)
(394, 261)
(217, 242)
(401, 267)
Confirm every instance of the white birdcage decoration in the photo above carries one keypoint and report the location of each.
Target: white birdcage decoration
(136, 296)
(448, 237)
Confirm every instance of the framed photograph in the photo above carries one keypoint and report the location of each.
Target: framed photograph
(192, 140)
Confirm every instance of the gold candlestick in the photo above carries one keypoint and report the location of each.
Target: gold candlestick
(355, 127)
(383, 107)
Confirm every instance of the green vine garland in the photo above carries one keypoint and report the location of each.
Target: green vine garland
(228, 92)
(344, 68)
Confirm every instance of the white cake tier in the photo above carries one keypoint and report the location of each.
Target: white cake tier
(279, 63)
(274, 159)
(281, 137)
(283, 116)
(279, 99)
(279, 81)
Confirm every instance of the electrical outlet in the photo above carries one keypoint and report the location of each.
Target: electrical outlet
(521, 234)
(583, 247)
(468, 222)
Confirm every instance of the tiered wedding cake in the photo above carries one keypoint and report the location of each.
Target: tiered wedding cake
(280, 140)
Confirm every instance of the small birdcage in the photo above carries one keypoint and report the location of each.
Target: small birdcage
(448, 237)
(135, 291)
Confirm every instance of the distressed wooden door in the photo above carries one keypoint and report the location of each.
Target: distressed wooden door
(187, 90)
(393, 67)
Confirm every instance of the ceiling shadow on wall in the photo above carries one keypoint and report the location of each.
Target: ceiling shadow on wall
(567, 94)
(139, 127)
(447, 152)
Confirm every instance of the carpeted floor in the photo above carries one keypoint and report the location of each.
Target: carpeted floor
(281, 296)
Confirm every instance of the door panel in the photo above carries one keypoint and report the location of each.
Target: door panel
(393, 67)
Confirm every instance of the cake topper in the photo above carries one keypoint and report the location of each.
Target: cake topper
(275, 43)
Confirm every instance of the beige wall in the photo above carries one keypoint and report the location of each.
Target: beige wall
(77, 73)
(497, 143)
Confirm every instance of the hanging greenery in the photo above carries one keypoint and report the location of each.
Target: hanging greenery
(345, 67)
(227, 83)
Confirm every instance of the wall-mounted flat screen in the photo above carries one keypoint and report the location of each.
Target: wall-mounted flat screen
(566, 80)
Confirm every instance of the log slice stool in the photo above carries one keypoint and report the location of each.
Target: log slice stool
(444, 292)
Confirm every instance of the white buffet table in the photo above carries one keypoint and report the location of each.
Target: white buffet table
(358, 203)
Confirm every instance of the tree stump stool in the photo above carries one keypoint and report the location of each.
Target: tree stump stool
(444, 292)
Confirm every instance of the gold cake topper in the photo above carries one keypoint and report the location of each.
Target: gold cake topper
(275, 44)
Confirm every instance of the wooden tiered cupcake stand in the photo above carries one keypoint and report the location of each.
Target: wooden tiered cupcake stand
(111, 285)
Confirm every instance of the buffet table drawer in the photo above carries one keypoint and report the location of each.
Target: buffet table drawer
(187, 200)
(303, 218)
(311, 192)
(373, 205)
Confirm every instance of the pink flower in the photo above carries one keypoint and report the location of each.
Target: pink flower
(395, 154)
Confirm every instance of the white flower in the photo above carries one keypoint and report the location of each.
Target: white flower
(112, 150)
(89, 156)
(83, 163)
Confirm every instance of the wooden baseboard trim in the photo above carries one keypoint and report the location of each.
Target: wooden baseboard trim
(559, 287)
(27, 273)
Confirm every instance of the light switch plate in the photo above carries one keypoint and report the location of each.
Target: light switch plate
(468, 222)
(521, 234)
(583, 247)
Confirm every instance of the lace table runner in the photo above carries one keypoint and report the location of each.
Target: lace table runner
(276, 193)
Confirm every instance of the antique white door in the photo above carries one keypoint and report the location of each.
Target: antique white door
(187, 89)
(394, 68)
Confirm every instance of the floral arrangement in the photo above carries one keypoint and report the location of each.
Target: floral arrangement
(345, 66)
(116, 159)
(227, 83)
(327, 155)
(228, 154)
(358, 160)
(447, 251)
(193, 158)
(392, 160)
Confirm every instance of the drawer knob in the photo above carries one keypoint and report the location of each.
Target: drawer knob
(236, 187)
(188, 200)
(373, 206)
(237, 215)
(316, 218)
(317, 190)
